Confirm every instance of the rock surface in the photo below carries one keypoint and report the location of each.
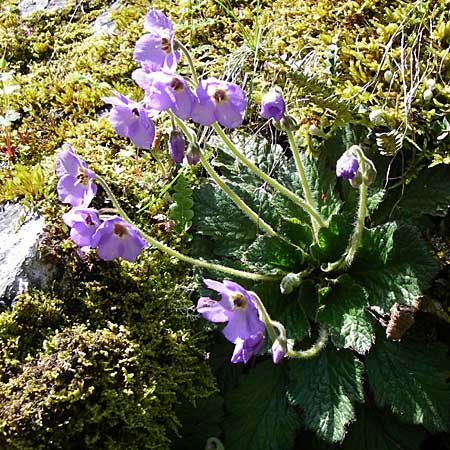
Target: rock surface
(20, 267)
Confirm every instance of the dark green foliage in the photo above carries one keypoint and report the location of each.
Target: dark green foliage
(181, 210)
(393, 264)
(260, 416)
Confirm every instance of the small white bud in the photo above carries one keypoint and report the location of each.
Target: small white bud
(388, 75)
(427, 95)
(430, 84)
(376, 117)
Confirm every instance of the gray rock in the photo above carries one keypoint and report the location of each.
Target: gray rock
(20, 267)
(30, 6)
(104, 24)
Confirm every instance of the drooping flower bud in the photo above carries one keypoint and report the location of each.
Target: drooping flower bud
(347, 166)
(289, 283)
(193, 154)
(176, 146)
(273, 105)
(279, 350)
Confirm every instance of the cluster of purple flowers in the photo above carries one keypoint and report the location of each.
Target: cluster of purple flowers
(113, 238)
(155, 51)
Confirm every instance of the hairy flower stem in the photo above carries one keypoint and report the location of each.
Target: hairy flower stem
(233, 196)
(174, 253)
(269, 323)
(188, 56)
(355, 240)
(304, 182)
(280, 188)
(312, 351)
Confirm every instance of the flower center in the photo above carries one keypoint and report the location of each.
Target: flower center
(88, 220)
(238, 300)
(135, 111)
(82, 177)
(219, 96)
(120, 230)
(176, 84)
(165, 45)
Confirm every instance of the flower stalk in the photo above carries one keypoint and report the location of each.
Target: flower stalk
(233, 196)
(160, 246)
(279, 187)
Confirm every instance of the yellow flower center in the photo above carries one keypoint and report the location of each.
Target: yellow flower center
(176, 84)
(219, 96)
(165, 45)
(82, 177)
(238, 300)
(120, 230)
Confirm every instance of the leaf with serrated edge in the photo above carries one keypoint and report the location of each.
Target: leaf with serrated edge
(410, 378)
(376, 430)
(393, 264)
(343, 313)
(261, 417)
(325, 387)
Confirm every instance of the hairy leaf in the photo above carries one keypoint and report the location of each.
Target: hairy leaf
(393, 265)
(260, 416)
(374, 430)
(181, 210)
(325, 387)
(343, 313)
(411, 378)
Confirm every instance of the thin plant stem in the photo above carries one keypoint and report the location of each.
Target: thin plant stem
(233, 196)
(312, 351)
(188, 56)
(174, 253)
(284, 191)
(301, 172)
(265, 316)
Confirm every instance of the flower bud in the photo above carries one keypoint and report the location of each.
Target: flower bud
(288, 123)
(193, 154)
(388, 75)
(279, 350)
(176, 146)
(347, 165)
(289, 283)
(427, 95)
(377, 117)
(273, 105)
(370, 172)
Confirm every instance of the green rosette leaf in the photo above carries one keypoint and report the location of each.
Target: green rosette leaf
(412, 379)
(393, 264)
(374, 430)
(333, 240)
(342, 311)
(271, 254)
(325, 387)
(260, 415)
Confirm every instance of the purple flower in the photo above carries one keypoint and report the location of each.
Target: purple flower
(75, 184)
(219, 101)
(83, 222)
(155, 50)
(130, 120)
(273, 105)
(176, 146)
(115, 238)
(246, 348)
(347, 166)
(165, 91)
(238, 308)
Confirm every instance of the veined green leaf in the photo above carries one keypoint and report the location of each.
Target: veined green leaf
(260, 416)
(343, 313)
(411, 378)
(376, 430)
(393, 265)
(325, 388)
